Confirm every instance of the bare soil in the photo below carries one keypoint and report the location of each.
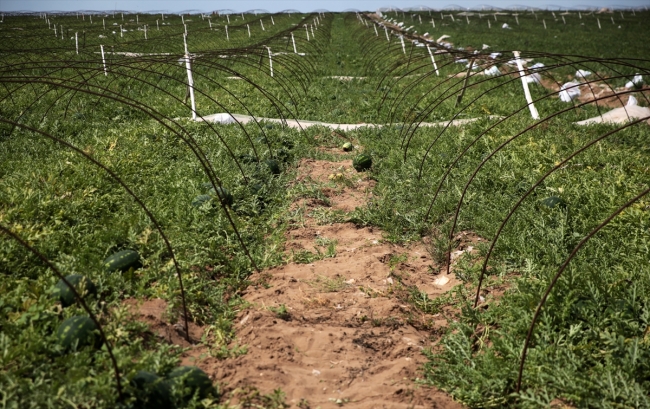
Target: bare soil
(338, 331)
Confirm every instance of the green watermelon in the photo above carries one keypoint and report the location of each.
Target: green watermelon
(78, 332)
(347, 147)
(287, 143)
(224, 194)
(273, 166)
(122, 260)
(151, 391)
(81, 284)
(553, 201)
(191, 380)
(200, 200)
(362, 162)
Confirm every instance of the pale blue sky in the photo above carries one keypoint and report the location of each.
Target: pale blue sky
(302, 5)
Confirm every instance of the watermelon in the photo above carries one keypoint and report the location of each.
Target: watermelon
(81, 284)
(122, 260)
(347, 147)
(287, 143)
(200, 200)
(362, 162)
(273, 166)
(192, 380)
(224, 194)
(78, 332)
(151, 391)
(553, 201)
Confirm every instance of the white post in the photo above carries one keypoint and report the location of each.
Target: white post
(401, 38)
(137, 19)
(183, 19)
(91, 19)
(467, 18)
(103, 60)
(122, 16)
(228, 36)
(580, 15)
(307, 31)
(121, 32)
(613, 20)
(489, 24)
(270, 61)
(563, 20)
(185, 25)
(145, 31)
(375, 27)
(312, 31)
(76, 42)
(420, 18)
(386, 31)
(104, 23)
(157, 25)
(452, 18)
(228, 18)
(293, 40)
(190, 80)
(433, 61)
(162, 16)
(517, 19)
(272, 22)
(433, 23)
(544, 21)
(55, 30)
(597, 19)
(495, 16)
(249, 30)
(522, 75)
(210, 22)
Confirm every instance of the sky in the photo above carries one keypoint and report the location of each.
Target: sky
(301, 5)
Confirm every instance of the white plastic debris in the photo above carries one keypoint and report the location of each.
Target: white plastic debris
(536, 66)
(632, 101)
(223, 119)
(485, 46)
(582, 73)
(461, 61)
(440, 281)
(569, 91)
(636, 82)
(505, 25)
(494, 56)
(533, 78)
(492, 71)
(442, 38)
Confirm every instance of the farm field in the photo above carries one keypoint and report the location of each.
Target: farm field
(399, 209)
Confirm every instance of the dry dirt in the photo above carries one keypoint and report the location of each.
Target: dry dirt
(337, 332)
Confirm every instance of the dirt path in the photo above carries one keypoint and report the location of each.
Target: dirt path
(333, 328)
(335, 331)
